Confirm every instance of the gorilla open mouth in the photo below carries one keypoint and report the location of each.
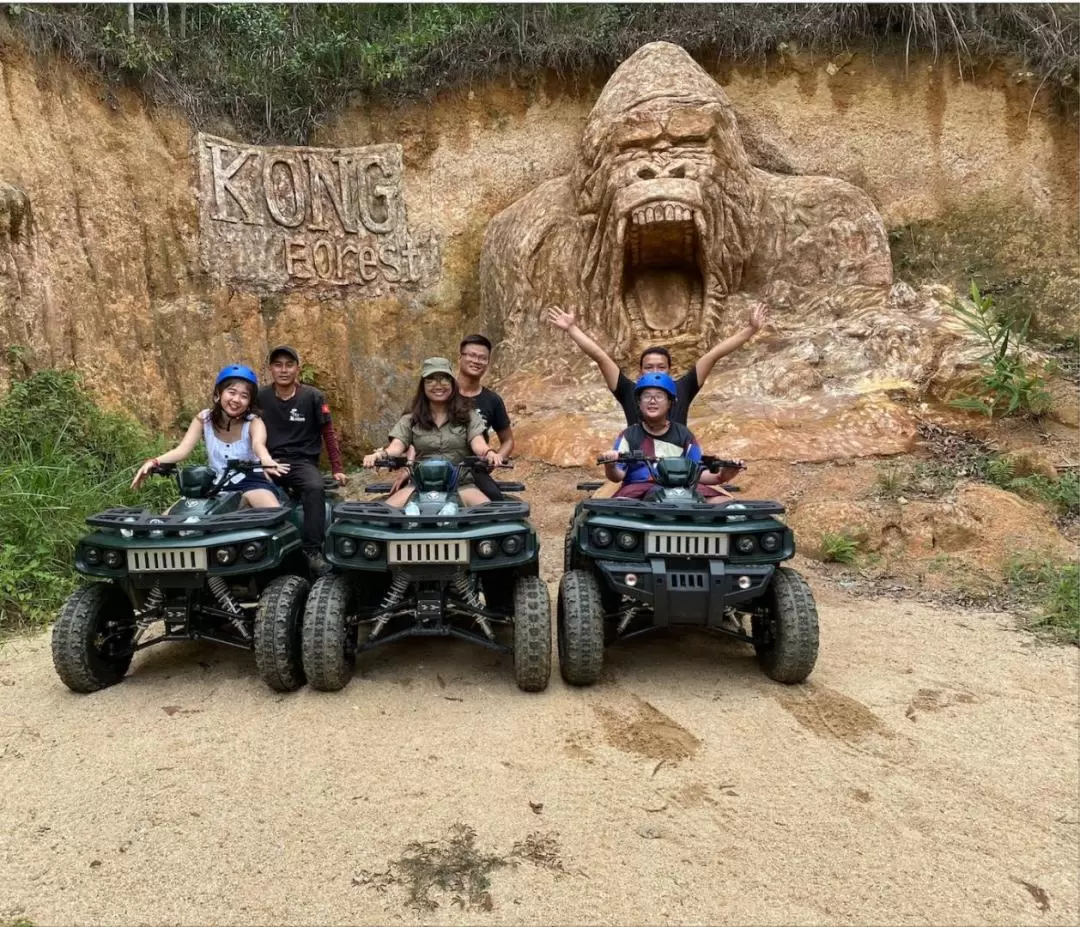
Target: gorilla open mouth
(662, 281)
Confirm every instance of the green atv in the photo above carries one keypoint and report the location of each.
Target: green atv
(633, 566)
(205, 569)
(430, 569)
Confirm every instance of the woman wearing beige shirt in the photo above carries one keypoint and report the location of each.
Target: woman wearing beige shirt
(442, 424)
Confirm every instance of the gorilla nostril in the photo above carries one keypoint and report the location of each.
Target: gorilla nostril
(677, 171)
(646, 173)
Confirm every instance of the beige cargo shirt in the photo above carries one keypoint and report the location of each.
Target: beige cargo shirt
(447, 441)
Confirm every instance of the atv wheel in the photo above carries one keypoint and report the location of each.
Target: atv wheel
(581, 629)
(91, 640)
(532, 634)
(329, 643)
(786, 639)
(278, 623)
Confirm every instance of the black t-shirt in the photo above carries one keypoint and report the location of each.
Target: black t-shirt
(294, 426)
(492, 410)
(686, 388)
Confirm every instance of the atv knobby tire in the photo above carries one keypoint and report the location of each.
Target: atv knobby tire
(532, 634)
(278, 639)
(580, 629)
(92, 617)
(786, 640)
(329, 643)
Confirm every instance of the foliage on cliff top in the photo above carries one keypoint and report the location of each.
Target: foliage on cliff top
(61, 459)
(279, 70)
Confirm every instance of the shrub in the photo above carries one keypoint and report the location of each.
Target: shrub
(838, 548)
(1007, 386)
(1052, 588)
(61, 459)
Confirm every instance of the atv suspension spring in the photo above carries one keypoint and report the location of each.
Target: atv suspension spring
(631, 614)
(399, 585)
(155, 598)
(148, 614)
(221, 593)
(468, 596)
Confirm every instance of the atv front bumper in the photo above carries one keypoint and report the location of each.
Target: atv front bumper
(691, 593)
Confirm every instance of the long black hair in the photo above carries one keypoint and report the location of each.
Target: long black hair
(218, 418)
(459, 408)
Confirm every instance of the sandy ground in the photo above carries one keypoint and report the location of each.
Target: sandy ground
(928, 773)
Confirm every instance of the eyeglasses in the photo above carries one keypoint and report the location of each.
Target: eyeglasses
(479, 358)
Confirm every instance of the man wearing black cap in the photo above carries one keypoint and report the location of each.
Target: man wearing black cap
(297, 420)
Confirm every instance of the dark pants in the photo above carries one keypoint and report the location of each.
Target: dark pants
(306, 481)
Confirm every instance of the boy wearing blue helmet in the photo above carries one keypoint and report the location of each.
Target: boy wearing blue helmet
(655, 435)
(233, 432)
(658, 360)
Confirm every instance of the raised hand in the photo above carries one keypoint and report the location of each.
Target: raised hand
(759, 316)
(560, 318)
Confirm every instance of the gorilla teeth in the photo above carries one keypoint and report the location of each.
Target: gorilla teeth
(665, 212)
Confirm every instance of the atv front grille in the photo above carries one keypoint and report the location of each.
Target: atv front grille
(166, 559)
(428, 552)
(677, 544)
(680, 581)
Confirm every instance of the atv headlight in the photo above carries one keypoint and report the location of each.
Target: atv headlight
(370, 550)
(601, 537)
(346, 547)
(92, 555)
(512, 544)
(486, 548)
(225, 555)
(770, 542)
(252, 551)
(113, 558)
(626, 540)
(745, 544)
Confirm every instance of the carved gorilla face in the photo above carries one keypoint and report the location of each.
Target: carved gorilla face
(673, 193)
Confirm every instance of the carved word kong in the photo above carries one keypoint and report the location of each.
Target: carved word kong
(280, 218)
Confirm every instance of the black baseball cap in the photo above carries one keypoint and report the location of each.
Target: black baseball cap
(283, 349)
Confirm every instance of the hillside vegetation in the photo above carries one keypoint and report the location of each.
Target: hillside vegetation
(279, 70)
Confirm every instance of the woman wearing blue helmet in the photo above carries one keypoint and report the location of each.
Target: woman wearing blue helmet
(655, 435)
(233, 403)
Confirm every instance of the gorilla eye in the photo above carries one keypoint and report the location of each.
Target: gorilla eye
(646, 173)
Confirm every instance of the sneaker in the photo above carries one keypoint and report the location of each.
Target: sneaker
(317, 563)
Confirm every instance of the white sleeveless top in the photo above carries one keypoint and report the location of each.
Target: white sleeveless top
(219, 452)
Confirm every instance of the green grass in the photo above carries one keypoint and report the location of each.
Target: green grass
(278, 71)
(61, 459)
(839, 547)
(1052, 590)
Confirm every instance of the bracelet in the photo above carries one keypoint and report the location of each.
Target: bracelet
(154, 462)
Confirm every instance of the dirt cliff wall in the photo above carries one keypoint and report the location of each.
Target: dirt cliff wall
(99, 265)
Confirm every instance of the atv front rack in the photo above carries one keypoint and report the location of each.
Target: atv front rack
(142, 521)
(379, 513)
(703, 514)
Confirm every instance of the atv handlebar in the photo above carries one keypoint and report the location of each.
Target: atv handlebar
(710, 463)
(469, 463)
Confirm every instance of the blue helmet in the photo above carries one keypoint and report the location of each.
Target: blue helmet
(236, 372)
(656, 381)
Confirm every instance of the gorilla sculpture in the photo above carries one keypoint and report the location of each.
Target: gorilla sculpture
(663, 221)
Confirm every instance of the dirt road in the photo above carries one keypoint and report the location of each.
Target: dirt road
(927, 774)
